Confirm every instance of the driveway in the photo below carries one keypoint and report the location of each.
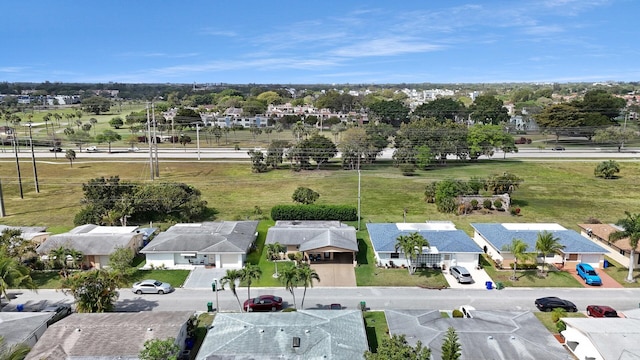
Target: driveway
(607, 281)
(201, 277)
(334, 274)
(480, 278)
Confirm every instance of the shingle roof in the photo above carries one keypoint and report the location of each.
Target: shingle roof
(87, 244)
(383, 237)
(604, 230)
(311, 235)
(106, 335)
(324, 334)
(207, 237)
(18, 327)
(28, 232)
(500, 236)
(496, 335)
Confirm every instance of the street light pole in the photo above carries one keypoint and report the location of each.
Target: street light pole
(33, 158)
(215, 281)
(198, 138)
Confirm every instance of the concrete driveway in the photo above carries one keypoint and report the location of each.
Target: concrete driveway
(607, 281)
(334, 274)
(201, 277)
(480, 278)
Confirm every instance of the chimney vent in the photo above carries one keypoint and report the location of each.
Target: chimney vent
(296, 342)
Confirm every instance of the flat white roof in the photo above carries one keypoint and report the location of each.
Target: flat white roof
(429, 225)
(533, 226)
(113, 230)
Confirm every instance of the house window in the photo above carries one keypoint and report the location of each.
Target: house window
(395, 255)
(572, 257)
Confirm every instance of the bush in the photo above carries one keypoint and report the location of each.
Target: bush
(486, 204)
(457, 314)
(314, 212)
(525, 266)
(474, 204)
(561, 326)
(408, 169)
(497, 204)
(514, 211)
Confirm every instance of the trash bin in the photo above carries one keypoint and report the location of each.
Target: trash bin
(499, 285)
(605, 264)
(213, 286)
(209, 306)
(489, 285)
(20, 307)
(363, 306)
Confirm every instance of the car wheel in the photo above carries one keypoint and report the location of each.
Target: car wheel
(160, 292)
(547, 309)
(249, 309)
(273, 308)
(458, 280)
(588, 312)
(139, 292)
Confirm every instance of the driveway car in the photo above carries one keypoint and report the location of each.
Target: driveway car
(461, 274)
(151, 286)
(552, 302)
(60, 312)
(263, 303)
(601, 311)
(589, 274)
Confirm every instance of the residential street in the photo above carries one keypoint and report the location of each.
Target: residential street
(376, 298)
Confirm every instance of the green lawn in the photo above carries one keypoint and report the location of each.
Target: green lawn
(545, 319)
(174, 277)
(204, 320)
(619, 273)
(530, 278)
(375, 323)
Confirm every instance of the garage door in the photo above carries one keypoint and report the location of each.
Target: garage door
(591, 259)
(466, 260)
(229, 261)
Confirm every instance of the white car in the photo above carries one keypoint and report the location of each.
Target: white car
(133, 149)
(92, 149)
(151, 286)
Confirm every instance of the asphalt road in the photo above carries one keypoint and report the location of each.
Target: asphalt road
(376, 298)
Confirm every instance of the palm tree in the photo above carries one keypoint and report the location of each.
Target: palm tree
(13, 274)
(631, 226)
(93, 122)
(273, 254)
(289, 277)
(232, 277)
(411, 246)
(70, 154)
(15, 352)
(306, 275)
(250, 272)
(547, 244)
(558, 313)
(518, 249)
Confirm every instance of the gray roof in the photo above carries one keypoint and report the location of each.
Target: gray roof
(324, 334)
(28, 232)
(18, 327)
(207, 238)
(384, 238)
(311, 235)
(106, 335)
(614, 338)
(87, 244)
(504, 335)
(574, 243)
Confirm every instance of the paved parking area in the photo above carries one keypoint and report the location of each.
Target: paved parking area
(201, 277)
(607, 281)
(480, 279)
(334, 274)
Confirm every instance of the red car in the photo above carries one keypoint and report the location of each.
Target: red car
(263, 303)
(601, 311)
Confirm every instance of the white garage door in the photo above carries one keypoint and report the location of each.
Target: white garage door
(467, 260)
(229, 261)
(593, 260)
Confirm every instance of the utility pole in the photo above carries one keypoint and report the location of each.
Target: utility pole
(149, 138)
(624, 129)
(33, 159)
(15, 150)
(2, 213)
(359, 178)
(155, 139)
(198, 138)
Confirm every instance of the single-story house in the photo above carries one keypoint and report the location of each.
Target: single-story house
(35, 234)
(601, 232)
(493, 237)
(101, 336)
(23, 327)
(448, 246)
(96, 243)
(493, 334)
(303, 334)
(318, 240)
(604, 338)
(223, 244)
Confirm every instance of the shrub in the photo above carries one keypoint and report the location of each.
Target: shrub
(497, 204)
(486, 204)
(525, 266)
(561, 326)
(474, 204)
(457, 314)
(314, 212)
(408, 169)
(514, 211)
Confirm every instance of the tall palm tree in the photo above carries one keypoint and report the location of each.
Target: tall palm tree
(273, 254)
(13, 274)
(232, 277)
(518, 249)
(411, 246)
(306, 275)
(15, 352)
(631, 226)
(547, 244)
(250, 272)
(289, 277)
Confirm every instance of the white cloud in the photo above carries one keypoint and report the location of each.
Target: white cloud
(385, 47)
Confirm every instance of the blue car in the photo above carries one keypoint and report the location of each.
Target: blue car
(589, 275)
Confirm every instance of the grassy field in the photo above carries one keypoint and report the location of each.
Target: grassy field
(375, 323)
(619, 273)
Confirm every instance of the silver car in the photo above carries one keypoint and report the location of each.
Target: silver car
(461, 274)
(151, 287)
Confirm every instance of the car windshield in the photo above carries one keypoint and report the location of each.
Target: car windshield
(592, 272)
(157, 283)
(610, 314)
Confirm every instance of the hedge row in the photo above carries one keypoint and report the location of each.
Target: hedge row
(314, 212)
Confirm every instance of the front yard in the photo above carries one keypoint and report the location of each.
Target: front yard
(619, 273)
(529, 278)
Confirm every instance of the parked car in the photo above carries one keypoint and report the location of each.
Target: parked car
(558, 148)
(92, 149)
(335, 307)
(601, 311)
(60, 312)
(133, 149)
(551, 302)
(263, 303)
(461, 274)
(151, 286)
(589, 274)
(55, 149)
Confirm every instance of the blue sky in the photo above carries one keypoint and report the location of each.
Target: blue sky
(307, 42)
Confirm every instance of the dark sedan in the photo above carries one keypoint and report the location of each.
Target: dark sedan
(601, 311)
(552, 302)
(263, 303)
